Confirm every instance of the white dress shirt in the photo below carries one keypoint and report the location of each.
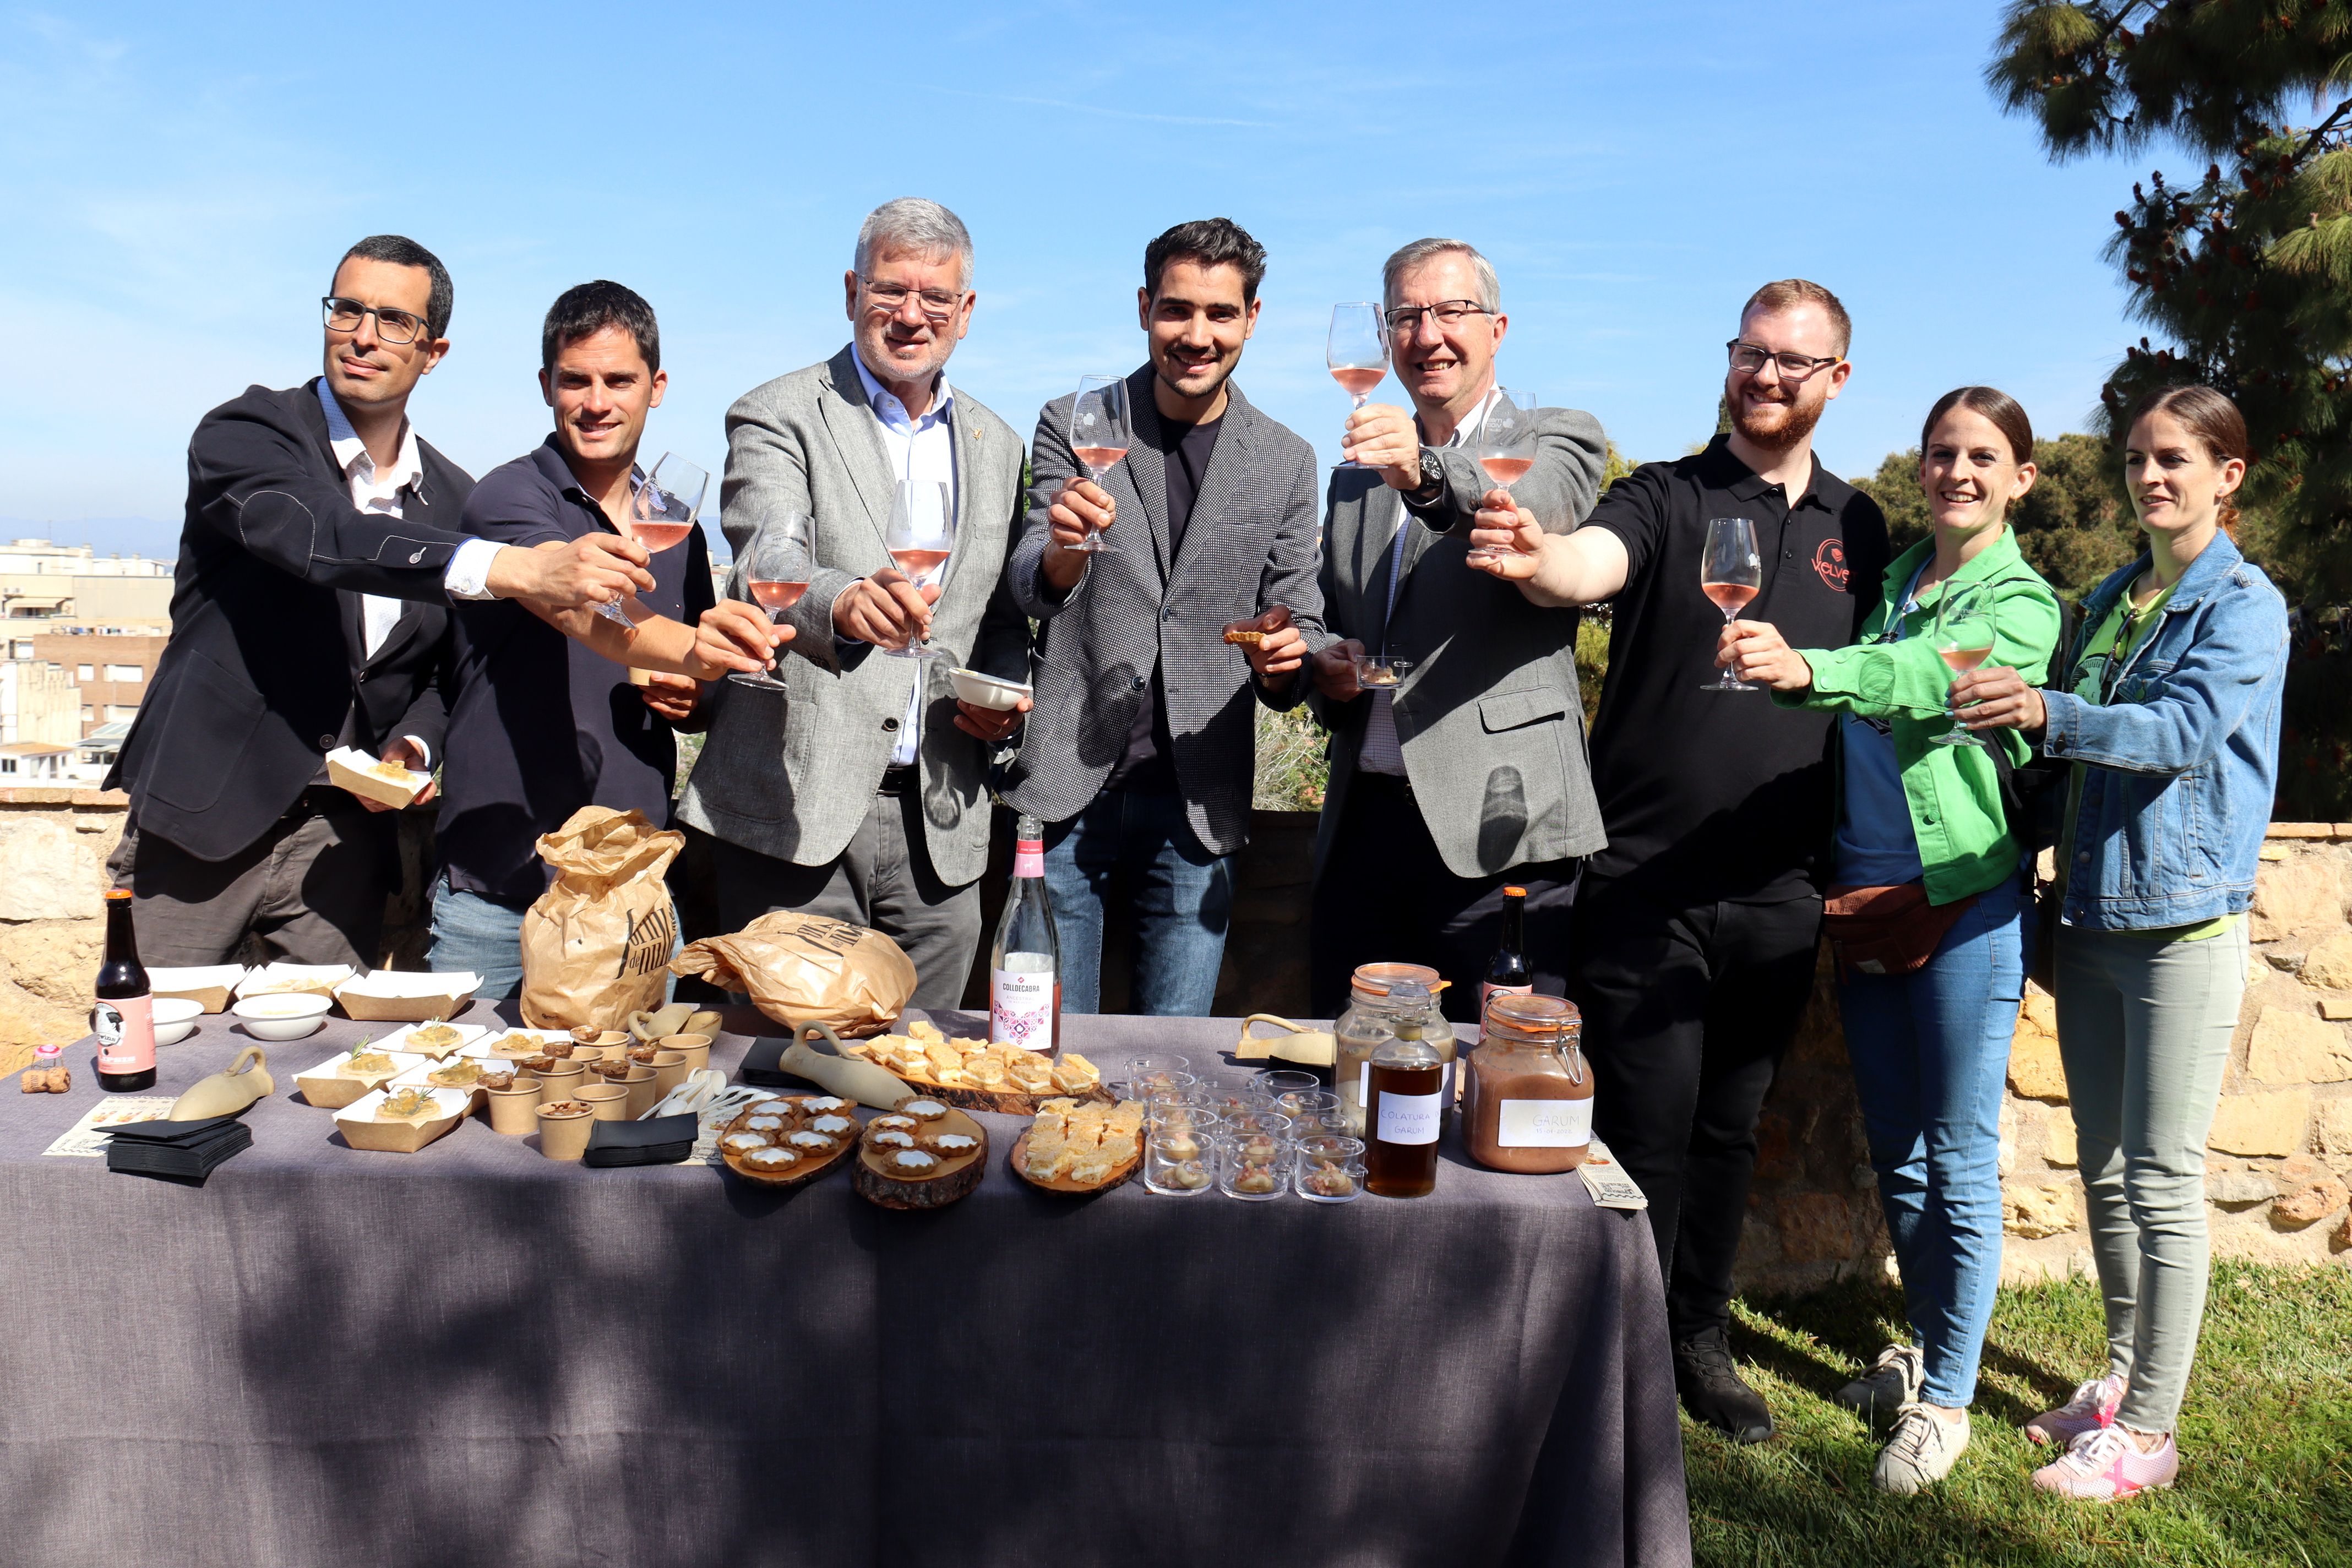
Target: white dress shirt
(1381, 752)
(919, 449)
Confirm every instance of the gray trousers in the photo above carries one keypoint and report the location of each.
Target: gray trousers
(883, 879)
(2144, 1029)
(310, 890)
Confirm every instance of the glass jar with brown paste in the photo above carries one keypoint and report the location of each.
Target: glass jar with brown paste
(1527, 1094)
(1386, 1002)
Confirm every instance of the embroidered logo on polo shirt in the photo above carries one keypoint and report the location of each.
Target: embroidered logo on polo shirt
(1830, 562)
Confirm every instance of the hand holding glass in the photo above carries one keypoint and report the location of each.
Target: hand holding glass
(1357, 353)
(1100, 434)
(1506, 446)
(921, 534)
(662, 512)
(1964, 638)
(776, 573)
(1730, 572)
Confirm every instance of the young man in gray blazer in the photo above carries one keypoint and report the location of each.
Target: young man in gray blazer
(862, 793)
(1141, 754)
(1470, 774)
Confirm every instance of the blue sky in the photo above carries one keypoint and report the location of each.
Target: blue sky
(181, 180)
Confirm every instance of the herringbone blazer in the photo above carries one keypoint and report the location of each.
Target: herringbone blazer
(1489, 718)
(1249, 546)
(794, 775)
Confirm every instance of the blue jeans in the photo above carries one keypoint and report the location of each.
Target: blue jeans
(1182, 899)
(471, 932)
(1930, 1050)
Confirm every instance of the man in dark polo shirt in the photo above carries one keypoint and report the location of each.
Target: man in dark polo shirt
(544, 723)
(1696, 927)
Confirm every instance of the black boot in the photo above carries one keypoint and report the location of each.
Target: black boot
(1713, 1391)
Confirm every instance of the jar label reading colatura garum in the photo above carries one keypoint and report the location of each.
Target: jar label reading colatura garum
(1408, 1118)
(1544, 1123)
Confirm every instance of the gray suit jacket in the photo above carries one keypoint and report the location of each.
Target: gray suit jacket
(1250, 545)
(1489, 718)
(792, 775)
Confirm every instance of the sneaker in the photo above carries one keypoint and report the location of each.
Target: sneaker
(1713, 1391)
(1921, 1452)
(1892, 1382)
(2105, 1465)
(2093, 1407)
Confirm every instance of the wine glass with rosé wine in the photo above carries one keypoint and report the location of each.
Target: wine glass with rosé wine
(1100, 433)
(921, 534)
(776, 572)
(1505, 446)
(1964, 638)
(1730, 572)
(662, 512)
(1357, 353)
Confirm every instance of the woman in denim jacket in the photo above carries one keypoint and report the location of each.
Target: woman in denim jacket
(2168, 705)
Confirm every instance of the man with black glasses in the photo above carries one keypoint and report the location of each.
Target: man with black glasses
(1697, 926)
(309, 611)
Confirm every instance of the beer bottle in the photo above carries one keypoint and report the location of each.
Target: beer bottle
(124, 1018)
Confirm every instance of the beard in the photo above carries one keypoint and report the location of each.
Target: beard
(1777, 427)
(1219, 373)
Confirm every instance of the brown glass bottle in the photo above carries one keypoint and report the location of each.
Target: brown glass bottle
(1404, 1109)
(124, 1018)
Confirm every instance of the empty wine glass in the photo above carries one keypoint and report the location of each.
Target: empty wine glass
(776, 572)
(1357, 352)
(1504, 445)
(1964, 638)
(921, 532)
(1730, 572)
(662, 512)
(1100, 433)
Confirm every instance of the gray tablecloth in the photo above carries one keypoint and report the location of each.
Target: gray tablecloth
(477, 1355)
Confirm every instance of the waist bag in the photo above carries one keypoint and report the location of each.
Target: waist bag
(1886, 930)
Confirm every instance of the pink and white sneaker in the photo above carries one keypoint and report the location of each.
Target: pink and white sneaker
(2093, 1406)
(2105, 1466)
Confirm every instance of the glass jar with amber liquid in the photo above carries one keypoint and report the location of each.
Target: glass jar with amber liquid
(1526, 1104)
(1404, 1108)
(1385, 1002)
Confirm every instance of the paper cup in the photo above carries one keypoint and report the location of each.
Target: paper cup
(609, 1104)
(669, 1071)
(641, 1092)
(514, 1112)
(564, 1136)
(561, 1082)
(695, 1048)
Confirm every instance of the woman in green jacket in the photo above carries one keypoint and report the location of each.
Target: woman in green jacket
(1924, 847)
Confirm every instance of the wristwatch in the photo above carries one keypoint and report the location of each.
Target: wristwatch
(1432, 477)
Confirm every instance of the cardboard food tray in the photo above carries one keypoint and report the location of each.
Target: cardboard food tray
(485, 1044)
(398, 1040)
(301, 979)
(359, 1129)
(1120, 1174)
(406, 996)
(421, 1075)
(332, 1090)
(354, 770)
(210, 988)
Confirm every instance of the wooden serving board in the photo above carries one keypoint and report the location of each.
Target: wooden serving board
(799, 1175)
(1120, 1175)
(955, 1179)
(1001, 1102)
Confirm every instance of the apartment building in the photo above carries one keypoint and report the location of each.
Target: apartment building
(109, 667)
(40, 580)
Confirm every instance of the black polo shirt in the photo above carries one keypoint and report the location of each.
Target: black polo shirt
(1712, 796)
(539, 725)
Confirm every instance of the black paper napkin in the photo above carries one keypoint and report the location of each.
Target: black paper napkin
(761, 1065)
(184, 1151)
(662, 1141)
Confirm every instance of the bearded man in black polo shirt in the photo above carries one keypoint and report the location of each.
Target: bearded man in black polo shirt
(1696, 927)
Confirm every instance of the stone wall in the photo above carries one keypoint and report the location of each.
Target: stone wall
(53, 849)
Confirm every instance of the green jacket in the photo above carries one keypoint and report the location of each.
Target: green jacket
(1965, 845)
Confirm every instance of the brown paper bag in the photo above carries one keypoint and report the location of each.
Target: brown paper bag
(806, 969)
(596, 946)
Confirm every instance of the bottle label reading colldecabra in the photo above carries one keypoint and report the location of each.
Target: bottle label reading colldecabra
(1021, 1003)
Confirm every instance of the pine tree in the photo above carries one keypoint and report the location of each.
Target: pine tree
(2245, 274)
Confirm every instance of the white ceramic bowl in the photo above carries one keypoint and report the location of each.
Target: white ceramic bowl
(987, 690)
(283, 1016)
(175, 1019)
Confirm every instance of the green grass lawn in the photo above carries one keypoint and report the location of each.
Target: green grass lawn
(2267, 1438)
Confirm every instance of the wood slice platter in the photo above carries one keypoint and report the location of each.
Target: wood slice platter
(954, 1178)
(1001, 1102)
(807, 1169)
(1118, 1176)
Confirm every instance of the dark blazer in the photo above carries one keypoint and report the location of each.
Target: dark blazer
(263, 675)
(1250, 546)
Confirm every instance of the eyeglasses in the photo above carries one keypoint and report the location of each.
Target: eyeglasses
(1405, 320)
(1748, 359)
(937, 305)
(391, 326)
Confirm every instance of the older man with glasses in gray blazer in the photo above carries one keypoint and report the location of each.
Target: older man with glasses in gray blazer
(861, 792)
(1469, 775)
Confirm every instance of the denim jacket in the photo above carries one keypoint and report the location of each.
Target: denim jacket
(2184, 756)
